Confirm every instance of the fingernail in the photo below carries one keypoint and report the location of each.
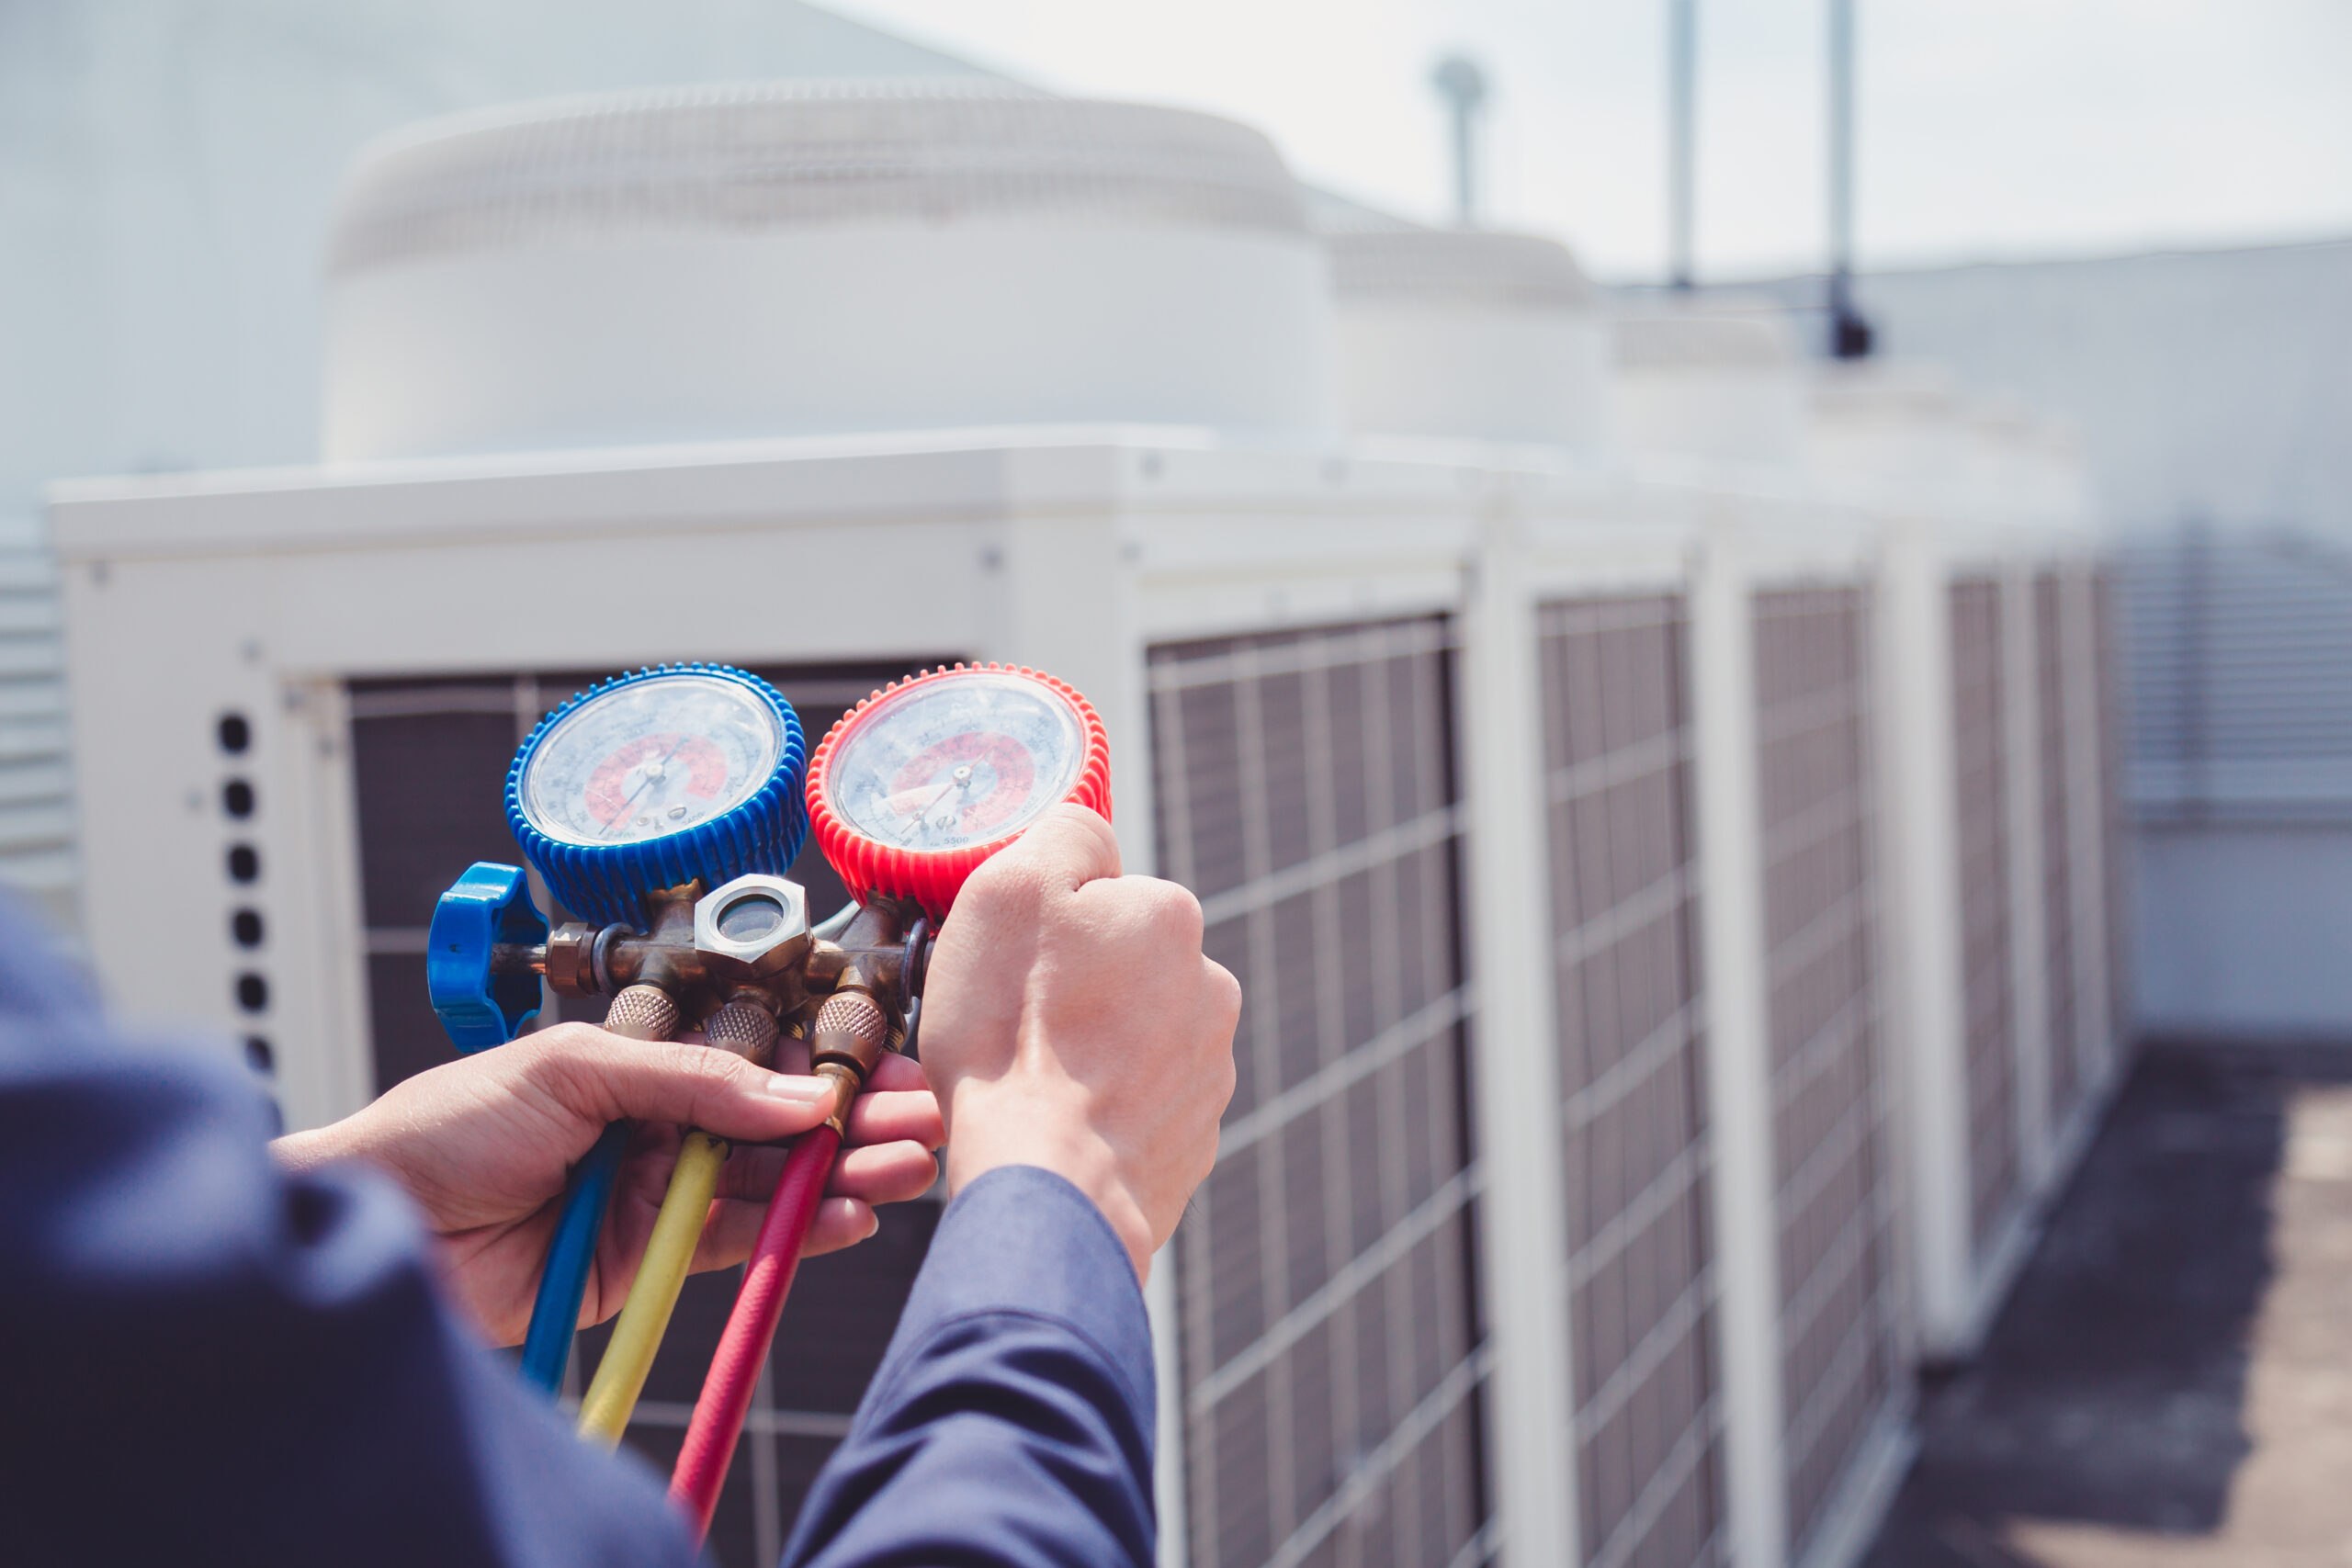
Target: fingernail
(799, 1089)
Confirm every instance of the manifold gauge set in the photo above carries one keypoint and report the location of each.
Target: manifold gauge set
(664, 807)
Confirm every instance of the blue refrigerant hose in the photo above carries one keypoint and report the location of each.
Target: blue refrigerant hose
(547, 1349)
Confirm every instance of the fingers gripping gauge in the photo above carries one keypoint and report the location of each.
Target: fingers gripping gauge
(922, 782)
(656, 779)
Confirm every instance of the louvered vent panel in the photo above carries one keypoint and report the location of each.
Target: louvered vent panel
(1832, 1200)
(429, 760)
(2241, 660)
(1332, 1356)
(37, 853)
(1979, 756)
(2058, 848)
(1617, 746)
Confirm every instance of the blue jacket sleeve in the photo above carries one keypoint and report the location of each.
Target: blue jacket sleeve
(210, 1362)
(1009, 1425)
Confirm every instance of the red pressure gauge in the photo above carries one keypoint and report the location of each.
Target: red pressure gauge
(925, 779)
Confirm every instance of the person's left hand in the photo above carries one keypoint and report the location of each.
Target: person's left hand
(484, 1145)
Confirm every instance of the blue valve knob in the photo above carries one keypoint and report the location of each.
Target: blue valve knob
(488, 907)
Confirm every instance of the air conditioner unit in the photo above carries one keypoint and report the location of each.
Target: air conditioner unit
(1601, 839)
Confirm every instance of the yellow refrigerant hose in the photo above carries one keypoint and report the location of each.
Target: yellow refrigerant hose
(750, 1032)
(653, 1295)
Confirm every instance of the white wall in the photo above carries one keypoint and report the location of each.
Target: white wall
(2245, 929)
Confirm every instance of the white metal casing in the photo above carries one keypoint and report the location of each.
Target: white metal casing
(797, 258)
(1074, 549)
(1067, 550)
(1468, 334)
(1719, 385)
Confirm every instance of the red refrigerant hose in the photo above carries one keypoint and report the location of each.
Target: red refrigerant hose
(743, 1348)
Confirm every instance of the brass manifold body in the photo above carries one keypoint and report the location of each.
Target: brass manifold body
(742, 963)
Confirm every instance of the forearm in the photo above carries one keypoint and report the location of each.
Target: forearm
(296, 1153)
(1010, 1423)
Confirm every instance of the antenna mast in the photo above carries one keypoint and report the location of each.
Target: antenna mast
(1682, 132)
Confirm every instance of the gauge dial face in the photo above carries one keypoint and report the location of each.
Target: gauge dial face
(651, 759)
(967, 760)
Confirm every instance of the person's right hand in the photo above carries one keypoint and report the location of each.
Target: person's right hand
(1071, 1022)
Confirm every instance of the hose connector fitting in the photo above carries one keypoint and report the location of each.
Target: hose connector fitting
(851, 1034)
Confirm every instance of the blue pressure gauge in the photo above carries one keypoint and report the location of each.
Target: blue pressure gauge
(655, 779)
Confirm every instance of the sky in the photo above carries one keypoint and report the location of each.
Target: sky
(1989, 128)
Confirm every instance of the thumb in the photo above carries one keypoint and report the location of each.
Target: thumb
(607, 1077)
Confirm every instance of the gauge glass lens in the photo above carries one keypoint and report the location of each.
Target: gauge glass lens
(969, 759)
(651, 759)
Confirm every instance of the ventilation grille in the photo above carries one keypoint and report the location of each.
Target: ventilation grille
(1332, 1355)
(429, 760)
(787, 154)
(1625, 886)
(2241, 660)
(1979, 756)
(36, 852)
(2058, 847)
(1833, 1200)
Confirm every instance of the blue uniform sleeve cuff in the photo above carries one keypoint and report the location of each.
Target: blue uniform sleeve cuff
(1022, 1239)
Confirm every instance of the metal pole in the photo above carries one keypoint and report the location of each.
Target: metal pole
(1463, 85)
(1682, 135)
(1465, 197)
(1850, 335)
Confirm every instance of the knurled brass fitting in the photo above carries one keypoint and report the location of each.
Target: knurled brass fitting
(743, 1028)
(851, 1034)
(643, 1012)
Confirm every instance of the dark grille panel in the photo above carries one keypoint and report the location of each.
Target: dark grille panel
(1979, 750)
(2057, 847)
(1331, 1357)
(1814, 738)
(1617, 750)
(430, 760)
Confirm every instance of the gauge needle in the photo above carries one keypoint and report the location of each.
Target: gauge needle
(960, 779)
(652, 774)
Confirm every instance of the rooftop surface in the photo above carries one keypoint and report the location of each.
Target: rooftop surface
(2171, 1384)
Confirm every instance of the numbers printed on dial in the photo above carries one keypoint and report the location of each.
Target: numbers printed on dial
(651, 759)
(958, 761)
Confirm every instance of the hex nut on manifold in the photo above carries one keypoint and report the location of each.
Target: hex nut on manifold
(570, 962)
(758, 923)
